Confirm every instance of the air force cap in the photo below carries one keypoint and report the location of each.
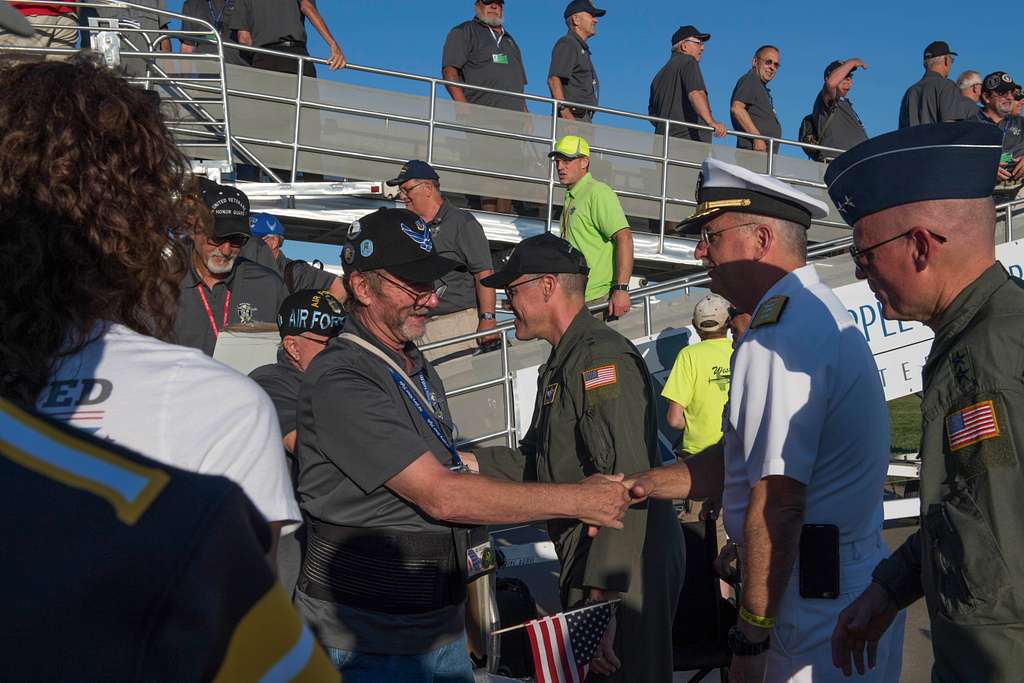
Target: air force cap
(916, 164)
(724, 187)
(310, 310)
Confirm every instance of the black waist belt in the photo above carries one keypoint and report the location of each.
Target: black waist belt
(391, 572)
(286, 43)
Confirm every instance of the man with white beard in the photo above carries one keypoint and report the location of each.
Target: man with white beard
(222, 288)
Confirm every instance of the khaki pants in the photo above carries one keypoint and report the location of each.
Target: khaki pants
(445, 327)
(63, 35)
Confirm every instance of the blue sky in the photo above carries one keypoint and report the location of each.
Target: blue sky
(633, 42)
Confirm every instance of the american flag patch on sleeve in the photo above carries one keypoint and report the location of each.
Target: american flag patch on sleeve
(599, 377)
(971, 425)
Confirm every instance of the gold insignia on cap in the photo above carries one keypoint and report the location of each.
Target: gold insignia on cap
(770, 312)
(723, 204)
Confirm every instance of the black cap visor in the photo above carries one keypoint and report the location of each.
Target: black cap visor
(226, 226)
(502, 279)
(428, 269)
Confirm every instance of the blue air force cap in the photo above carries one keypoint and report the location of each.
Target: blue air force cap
(916, 164)
(263, 224)
(414, 170)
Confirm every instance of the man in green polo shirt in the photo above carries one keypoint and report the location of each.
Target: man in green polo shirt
(593, 222)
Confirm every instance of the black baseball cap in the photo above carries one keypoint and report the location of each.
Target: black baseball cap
(835, 65)
(414, 170)
(542, 254)
(395, 240)
(684, 32)
(310, 310)
(938, 48)
(229, 206)
(583, 6)
(998, 81)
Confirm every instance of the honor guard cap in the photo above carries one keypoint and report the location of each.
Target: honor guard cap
(414, 170)
(229, 206)
(724, 187)
(684, 32)
(570, 147)
(310, 310)
(263, 224)
(395, 240)
(12, 20)
(711, 313)
(582, 6)
(915, 164)
(543, 254)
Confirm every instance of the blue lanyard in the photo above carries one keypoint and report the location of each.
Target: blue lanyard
(427, 417)
(223, 8)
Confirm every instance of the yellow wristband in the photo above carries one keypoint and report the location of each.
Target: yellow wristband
(754, 620)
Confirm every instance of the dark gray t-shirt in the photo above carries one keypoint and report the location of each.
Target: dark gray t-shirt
(256, 293)
(458, 235)
(270, 21)
(357, 430)
(933, 99)
(758, 97)
(669, 94)
(837, 126)
(1013, 132)
(222, 13)
(570, 62)
(486, 58)
(281, 381)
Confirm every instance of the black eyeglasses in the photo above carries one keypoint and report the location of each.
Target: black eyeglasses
(233, 240)
(772, 62)
(859, 256)
(421, 297)
(509, 289)
(492, 2)
(321, 342)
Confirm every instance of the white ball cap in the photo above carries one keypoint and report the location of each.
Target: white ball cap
(711, 313)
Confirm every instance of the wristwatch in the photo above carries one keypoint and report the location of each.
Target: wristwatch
(487, 316)
(620, 288)
(741, 647)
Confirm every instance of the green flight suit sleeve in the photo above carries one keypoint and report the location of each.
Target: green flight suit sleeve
(510, 464)
(613, 429)
(900, 574)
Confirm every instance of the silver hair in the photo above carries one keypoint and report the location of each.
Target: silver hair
(968, 79)
(793, 236)
(934, 60)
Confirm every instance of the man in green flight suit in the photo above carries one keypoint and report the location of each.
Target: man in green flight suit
(595, 414)
(919, 200)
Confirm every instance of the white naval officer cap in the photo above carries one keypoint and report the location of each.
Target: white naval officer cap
(723, 187)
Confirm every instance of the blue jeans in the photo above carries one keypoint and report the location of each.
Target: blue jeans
(447, 664)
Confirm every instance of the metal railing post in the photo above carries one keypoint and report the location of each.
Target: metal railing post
(298, 116)
(430, 126)
(551, 167)
(648, 321)
(510, 437)
(771, 156)
(1009, 222)
(664, 190)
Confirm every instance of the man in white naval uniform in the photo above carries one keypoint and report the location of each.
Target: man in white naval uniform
(806, 435)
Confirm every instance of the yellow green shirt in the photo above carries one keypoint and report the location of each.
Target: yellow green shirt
(699, 382)
(591, 215)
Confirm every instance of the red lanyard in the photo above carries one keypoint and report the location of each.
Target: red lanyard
(209, 313)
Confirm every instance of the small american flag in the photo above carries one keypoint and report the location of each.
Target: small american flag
(972, 424)
(599, 377)
(563, 644)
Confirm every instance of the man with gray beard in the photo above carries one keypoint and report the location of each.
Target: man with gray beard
(481, 52)
(222, 288)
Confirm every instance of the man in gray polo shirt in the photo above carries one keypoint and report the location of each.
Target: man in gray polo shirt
(220, 287)
(836, 124)
(571, 75)
(218, 13)
(997, 96)
(934, 98)
(481, 52)
(281, 25)
(390, 508)
(466, 305)
(752, 108)
(678, 91)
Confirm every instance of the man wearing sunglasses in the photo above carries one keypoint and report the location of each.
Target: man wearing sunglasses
(753, 109)
(393, 537)
(922, 215)
(998, 92)
(221, 287)
(806, 434)
(934, 98)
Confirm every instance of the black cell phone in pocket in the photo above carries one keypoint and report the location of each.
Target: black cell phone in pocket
(819, 561)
